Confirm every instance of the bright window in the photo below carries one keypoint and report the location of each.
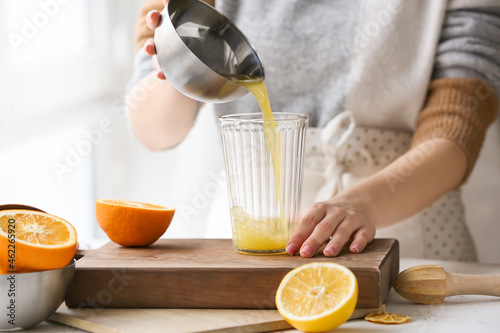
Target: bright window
(55, 55)
(63, 68)
(50, 30)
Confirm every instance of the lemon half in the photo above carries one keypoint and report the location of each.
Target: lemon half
(317, 297)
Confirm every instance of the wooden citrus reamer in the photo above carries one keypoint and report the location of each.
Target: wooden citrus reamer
(431, 284)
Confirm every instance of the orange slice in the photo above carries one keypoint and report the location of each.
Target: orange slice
(317, 297)
(132, 223)
(382, 317)
(34, 241)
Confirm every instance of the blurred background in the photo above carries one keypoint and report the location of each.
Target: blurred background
(64, 140)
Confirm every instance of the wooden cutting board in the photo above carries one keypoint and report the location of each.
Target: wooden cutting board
(208, 273)
(178, 320)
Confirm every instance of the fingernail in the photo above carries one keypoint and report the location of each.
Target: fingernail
(306, 250)
(292, 248)
(355, 248)
(329, 251)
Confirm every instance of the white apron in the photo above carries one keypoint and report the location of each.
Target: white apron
(392, 67)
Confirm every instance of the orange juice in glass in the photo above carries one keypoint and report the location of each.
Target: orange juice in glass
(263, 158)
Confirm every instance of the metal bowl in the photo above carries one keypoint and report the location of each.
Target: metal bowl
(17, 206)
(201, 52)
(30, 298)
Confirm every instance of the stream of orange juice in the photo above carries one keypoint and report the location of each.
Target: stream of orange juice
(268, 234)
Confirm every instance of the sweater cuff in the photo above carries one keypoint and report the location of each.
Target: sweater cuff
(142, 32)
(460, 110)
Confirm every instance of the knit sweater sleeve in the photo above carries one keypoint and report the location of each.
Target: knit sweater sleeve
(462, 99)
(142, 62)
(458, 109)
(142, 32)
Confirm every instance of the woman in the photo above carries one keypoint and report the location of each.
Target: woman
(399, 96)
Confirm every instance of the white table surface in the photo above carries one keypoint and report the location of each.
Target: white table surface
(457, 314)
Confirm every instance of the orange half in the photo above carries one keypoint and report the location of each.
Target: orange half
(34, 241)
(132, 223)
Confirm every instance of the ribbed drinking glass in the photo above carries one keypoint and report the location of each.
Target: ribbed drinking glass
(263, 161)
